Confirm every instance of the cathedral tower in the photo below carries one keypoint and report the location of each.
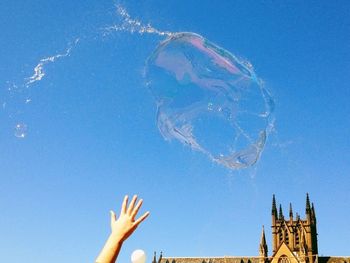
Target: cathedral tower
(299, 235)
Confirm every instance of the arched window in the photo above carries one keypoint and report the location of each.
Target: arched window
(297, 239)
(286, 237)
(283, 259)
(280, 236)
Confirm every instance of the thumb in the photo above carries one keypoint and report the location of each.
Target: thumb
(113, 217)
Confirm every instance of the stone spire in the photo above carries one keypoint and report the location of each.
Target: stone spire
(263, 247)
(274, 209)
(154, 258)
(314, 244)
(307, 209)
(160, 257)
(290, 211)
(313, 214)
(263, 244)
(274, 226)
(280, 214)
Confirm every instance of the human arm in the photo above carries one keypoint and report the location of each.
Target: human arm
(121, 228)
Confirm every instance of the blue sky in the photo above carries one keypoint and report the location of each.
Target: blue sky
(92, 135)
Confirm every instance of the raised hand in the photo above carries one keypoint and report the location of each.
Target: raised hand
(122, 227)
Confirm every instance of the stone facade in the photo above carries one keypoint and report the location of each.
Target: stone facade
(211, 260)
(242, 260)
(294, 240)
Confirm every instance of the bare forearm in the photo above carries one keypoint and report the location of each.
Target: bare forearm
(110, 250)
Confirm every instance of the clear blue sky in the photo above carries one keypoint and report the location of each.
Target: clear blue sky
(92, 135)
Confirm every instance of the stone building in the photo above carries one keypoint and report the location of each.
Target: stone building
(294, 240)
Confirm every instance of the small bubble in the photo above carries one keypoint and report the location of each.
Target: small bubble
(20, 130)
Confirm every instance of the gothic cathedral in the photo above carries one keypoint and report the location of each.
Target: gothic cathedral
(294, 240)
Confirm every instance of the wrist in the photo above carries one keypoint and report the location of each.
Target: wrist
(110, 250)
(114, 240)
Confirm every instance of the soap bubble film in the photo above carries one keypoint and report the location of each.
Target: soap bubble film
(209, 100)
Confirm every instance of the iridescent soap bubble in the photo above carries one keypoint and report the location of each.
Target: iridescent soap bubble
(20, 130)
(209, 99)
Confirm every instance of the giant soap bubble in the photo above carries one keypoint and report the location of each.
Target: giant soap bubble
(209, 99)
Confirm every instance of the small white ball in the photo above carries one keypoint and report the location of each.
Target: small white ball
(138, 256)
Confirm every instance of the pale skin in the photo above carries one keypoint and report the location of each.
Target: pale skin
(121, 228)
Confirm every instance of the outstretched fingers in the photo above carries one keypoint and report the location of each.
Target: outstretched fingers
(132, 204)
(143, 217)
(124, 205)
(131, 210)
(136, 209)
